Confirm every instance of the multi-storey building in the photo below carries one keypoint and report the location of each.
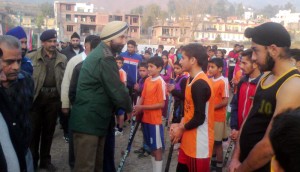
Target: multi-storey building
(171, 33)
(229, 30)
(285, 17)
(85, 20)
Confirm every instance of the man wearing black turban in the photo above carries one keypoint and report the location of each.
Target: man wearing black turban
(278, 90)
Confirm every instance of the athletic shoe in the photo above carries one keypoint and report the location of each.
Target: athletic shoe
(66, 139)
(144, 154)
(139, 151)
(117, 133)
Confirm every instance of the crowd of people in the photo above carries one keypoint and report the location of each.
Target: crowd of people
(95, 90)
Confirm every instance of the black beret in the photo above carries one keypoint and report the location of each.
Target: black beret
(48, 34)
(75, 35)
(269, 33)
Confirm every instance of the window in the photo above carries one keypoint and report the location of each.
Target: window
(118, 18)
(68, 17)
(165, 31)
(83, 18)
(135, 20)
(80, 9)
(69, 28)
(133, 30)
(68, 7)
(93, 18)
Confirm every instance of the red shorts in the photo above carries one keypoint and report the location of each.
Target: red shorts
(194, 164)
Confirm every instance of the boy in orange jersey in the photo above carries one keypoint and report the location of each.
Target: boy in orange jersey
(120, 113)
(151, 103)
(196, 129)
(123, 74)
(221, 91)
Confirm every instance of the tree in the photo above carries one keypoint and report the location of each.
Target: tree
(220, 8)
(240, 10)
(151, 13)
(39, 21)
(172, 8)
(47, 9)
(138, 10)
(270, 10)
(289, 6)
(231, 10)
(194, 11)
(209, 10)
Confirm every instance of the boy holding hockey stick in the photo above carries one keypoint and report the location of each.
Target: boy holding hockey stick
(151, 103)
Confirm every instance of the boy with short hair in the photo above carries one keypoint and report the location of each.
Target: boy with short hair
(177, 92)
(123, 74)
(285, 141)
(147, 55)
(143, 73)
(221, 90)
(120, 113)
(144, 151)
(196, 129)
(151, 103)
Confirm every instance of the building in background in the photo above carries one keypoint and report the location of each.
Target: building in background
(285, 17)
(171, 33)
(289, 20)
(84, 19)
(220, 30)
(249, 14)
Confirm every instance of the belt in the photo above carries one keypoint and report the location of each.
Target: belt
(48, 89)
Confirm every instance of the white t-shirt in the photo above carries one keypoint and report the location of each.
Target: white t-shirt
(76, 51)
(9, 152)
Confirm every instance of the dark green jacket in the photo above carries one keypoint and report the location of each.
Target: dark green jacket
(99, 93)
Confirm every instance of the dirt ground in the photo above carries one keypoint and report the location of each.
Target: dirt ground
(59, 153)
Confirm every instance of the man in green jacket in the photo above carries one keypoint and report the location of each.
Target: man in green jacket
(99, 93)
(48, 71)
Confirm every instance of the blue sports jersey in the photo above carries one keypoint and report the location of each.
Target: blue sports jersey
(131, 62)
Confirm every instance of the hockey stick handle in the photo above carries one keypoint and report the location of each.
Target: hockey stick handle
(228, 152)
(131, 137)
(169, 158)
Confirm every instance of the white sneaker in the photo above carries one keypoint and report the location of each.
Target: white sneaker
(117, 133)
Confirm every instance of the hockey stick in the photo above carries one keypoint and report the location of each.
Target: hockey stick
(169, 110)
(228, 152)
(169, 158)
(133, 131)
